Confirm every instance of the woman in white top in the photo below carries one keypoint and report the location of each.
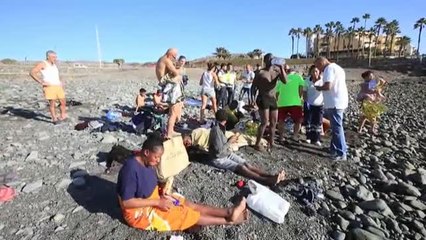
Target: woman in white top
(248, 77)
(208, 82)
(314, 102)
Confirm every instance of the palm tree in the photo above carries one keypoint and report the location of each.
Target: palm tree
(344, 34)
(351, 35)
(318, 31)
(361, 33)
(307, 32)
(292, 34)
(299, 31)
(402, 42)
(329, 33)
(354, 21)
(420, 24)
(251, 54)
(371, 34)
(366, 17)
(393, 29)
(257, 53)
(338, 30)
(379, 25)
(222, 52)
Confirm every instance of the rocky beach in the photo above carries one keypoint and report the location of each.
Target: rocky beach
(63, 193)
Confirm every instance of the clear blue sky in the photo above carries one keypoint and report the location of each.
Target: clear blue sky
(141, 30)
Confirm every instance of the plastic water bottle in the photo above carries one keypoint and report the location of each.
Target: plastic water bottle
(266, 202)
(278, 61)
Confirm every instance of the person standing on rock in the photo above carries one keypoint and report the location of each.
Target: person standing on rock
(265, 81)
(52, 85)
(171, 82)
(335, 94)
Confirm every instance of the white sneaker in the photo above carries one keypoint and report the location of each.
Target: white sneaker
(318, 144)
(308, 141)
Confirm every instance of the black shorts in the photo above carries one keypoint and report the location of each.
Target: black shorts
(267, 103)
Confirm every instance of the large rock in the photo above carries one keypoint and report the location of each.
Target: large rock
(375, 205)
(338, 235)
(361, 234)
(418, 205)
(419, 177)
(334, 195)
(408, 189)
(109, 139)
(362, 193)
(32, 187)
(343, 223)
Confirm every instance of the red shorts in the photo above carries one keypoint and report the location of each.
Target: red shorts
(295, 112)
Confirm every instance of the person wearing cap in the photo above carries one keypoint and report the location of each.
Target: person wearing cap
(289, 102)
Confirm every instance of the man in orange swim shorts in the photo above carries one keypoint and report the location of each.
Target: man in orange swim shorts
(52, 85)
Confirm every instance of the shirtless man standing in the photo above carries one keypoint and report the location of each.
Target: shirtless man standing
(167, 73)
(265, 81)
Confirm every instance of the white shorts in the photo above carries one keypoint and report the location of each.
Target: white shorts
(208, 92)
(228, 163)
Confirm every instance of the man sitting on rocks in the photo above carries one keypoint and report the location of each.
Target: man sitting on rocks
(144, 207)
(140, 100)
(223, 158)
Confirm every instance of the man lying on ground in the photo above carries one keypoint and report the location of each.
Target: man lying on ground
(143, 207)
(222, 157)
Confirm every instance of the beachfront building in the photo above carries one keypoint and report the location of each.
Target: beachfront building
(358, 44)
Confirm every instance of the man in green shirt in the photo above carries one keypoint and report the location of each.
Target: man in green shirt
(290, 104)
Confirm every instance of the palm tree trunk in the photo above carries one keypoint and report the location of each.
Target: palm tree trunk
(292, 45)
(317, 50)
(386, 45)
(391, 44)
(418, 41)
(375, 45)
(297, 47)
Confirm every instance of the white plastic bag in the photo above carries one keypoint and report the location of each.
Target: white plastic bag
(266, 202)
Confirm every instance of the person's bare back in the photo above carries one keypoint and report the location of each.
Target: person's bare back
(165, 69)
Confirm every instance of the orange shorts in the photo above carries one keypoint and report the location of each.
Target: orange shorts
(54, 92)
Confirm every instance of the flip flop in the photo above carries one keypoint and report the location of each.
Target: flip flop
(7, 193)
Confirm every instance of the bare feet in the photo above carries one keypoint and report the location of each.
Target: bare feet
(244, 216)
(277, 178)
(238, 210)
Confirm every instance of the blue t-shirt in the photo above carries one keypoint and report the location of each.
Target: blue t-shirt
(136, 180)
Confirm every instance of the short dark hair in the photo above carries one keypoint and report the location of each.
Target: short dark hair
(181, 58)
(153, 143)
(229, 64)
(233, 105)
(142, 90)
(222, 65)
(267, 58)
(210, 66)
(221, 115)
(312, 67)
(366, 74)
